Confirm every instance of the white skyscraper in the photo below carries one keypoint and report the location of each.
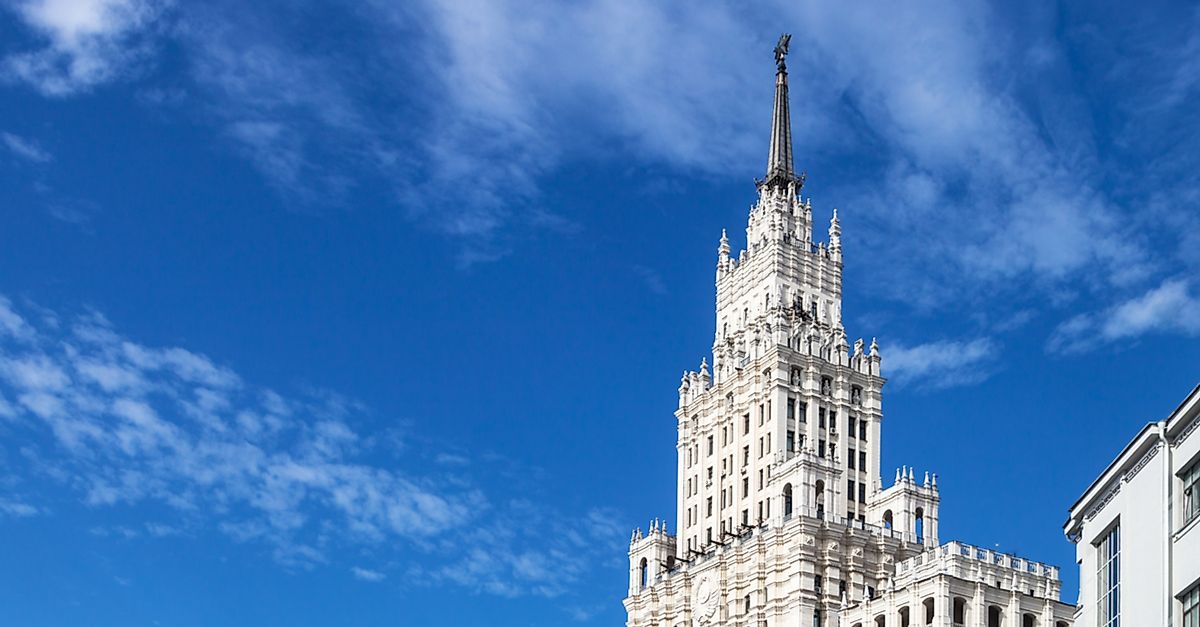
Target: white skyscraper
(782, 515)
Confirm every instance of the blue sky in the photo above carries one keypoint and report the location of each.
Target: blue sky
(373, 313)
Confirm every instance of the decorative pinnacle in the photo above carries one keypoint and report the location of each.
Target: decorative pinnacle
(723, 249)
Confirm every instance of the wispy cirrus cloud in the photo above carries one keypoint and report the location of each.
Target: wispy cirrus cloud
(25, 148)
(1172, 307)
(940, 364)
(116, 423)
(84, 43)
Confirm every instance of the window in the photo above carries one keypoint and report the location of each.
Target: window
(708, 507)
(832, 421)
(821, 450)
(760, 447)
(791, 408)
(745, 487)
(1191, 607)
(644, 572)
(746, 455)
(850, 458)
(761, 413)
(710, 445)
(862, 430)
(862, 460)
(849, 489)
(768, 442)
(1191, 492)
(803, 412)
(1108, 577)
(745, 424)
(745, 518)
(791, 441)
(862, 492)
(850, 423)
(821, 417)
(710, 474)
(817, 581)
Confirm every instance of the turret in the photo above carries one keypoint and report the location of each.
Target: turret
(835, 238)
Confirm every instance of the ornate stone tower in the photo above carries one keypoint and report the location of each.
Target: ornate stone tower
(782, 516)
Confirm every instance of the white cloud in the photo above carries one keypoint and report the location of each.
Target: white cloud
(27, 149)
(17, 509)
(130, 424)
(86, 42)
(367, 574)
(940, 364)
(1172, 307)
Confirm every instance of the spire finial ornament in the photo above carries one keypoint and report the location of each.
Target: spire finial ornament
(780, 173)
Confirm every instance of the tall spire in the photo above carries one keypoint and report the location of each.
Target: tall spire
(780, 170)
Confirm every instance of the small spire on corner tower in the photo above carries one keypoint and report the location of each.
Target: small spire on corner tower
(835, 233)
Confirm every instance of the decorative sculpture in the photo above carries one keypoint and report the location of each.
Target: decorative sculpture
(781, 50)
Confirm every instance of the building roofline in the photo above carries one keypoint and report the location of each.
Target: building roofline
(1124, 456)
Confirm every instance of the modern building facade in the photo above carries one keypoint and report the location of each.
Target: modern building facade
(782, 514)
(1137, 529)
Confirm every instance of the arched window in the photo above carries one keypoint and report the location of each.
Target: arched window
(787, 501)
(819, 498)
(960, 611)
(1028, 620)
(929, 613)
(995, 616)
(644, 573)
(905, 621)
(919, 524)
(880, 621)
(887, 519)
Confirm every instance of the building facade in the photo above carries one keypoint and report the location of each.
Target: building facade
(1137, 529)
(782, 514)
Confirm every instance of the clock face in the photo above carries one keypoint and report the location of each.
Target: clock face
(705, 600)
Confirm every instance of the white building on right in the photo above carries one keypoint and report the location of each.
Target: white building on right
(1136, 530)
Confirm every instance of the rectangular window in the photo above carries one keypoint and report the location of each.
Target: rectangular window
(862, 430)
(1191, 607)
(791, 441)
(1191, 493)
(724, 435)
(760, 479)
(850, 458)
(821, 417)
(745, 487)
(768, 443)
(761, 413)
(746, 424)
(832, 421)
(708, 507)
(746, 455)
(817, 583)
(760, 447)
(821, 450)
(862, 492)
(1108, 578)
(849, 489)
(710, 445)
(791, 408)
(862, 460)
(709, 478)
(745, 518)
(850, 423)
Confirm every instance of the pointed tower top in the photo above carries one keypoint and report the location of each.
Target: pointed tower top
(780, 171)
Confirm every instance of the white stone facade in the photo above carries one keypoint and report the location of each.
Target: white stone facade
(782, 514)
(1145, 510)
